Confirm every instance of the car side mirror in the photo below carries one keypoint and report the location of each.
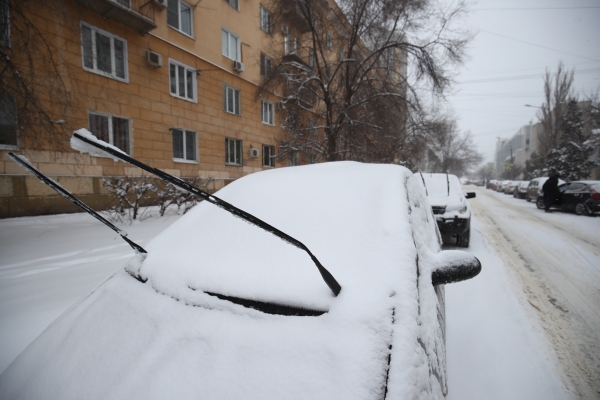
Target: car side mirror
(454, 266)
(470, 195)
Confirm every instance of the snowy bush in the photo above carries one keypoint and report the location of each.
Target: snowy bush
(169, 194)
(128, 193)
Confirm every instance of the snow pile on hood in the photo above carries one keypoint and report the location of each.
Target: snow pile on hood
(167, 338)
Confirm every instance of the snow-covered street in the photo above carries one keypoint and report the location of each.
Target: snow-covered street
(525, 328)
(553, 264)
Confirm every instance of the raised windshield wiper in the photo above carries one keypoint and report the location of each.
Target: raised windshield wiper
(327, 277)
(23, 162)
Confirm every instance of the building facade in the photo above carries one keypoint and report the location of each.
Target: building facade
(173, 83)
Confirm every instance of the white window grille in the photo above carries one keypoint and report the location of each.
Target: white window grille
(182, 81)
(111, 129)
(180, 16)
(233, 151)
(268, 156)
(230, 44)
(184, 145)
(103, 53)
(231, 100)
(268, 112)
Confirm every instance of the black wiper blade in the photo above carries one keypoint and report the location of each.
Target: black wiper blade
(326, 275)
(56, 186)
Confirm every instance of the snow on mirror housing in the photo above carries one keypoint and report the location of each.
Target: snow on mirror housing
(454, 266)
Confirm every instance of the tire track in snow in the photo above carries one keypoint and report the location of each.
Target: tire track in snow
(557, 270)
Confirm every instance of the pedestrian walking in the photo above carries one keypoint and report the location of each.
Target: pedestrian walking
(551, 192)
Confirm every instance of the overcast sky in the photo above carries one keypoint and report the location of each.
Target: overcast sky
(516, 41)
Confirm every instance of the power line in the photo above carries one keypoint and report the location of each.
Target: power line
(533, 8)
(538, 45)
(522, 77)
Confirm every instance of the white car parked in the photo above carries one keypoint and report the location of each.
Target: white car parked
(450, 206)
(220, 309)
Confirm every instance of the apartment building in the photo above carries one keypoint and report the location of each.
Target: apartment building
(173, 83)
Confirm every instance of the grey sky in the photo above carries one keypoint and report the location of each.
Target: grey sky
(516, 41)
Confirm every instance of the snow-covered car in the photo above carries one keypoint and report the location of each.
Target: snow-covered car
(450, 206)
(520, 191)
(220, 309)
(509, 188)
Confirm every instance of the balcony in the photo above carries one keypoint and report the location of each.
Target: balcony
(292, 12)
(136, 14)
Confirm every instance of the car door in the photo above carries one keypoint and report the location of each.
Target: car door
(572, 195)
(563, 201)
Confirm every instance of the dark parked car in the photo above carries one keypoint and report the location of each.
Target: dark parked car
(580, 197)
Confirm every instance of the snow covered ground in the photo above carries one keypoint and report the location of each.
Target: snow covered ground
(496, 349)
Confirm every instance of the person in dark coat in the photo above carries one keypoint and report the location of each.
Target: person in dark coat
(551, 192)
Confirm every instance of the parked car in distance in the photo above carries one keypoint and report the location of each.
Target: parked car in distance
(221, 309)
(520, 191)
(502, 185)
(450, 207)
(534, 190)
(580, 197)
(510, 187)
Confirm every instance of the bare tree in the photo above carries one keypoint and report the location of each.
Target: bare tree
(449, 150)
(557, 91)
(33, 77)
(352, 82)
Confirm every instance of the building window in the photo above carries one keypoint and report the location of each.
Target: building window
(233, 151)
(311, 58)
(266, 65)
(182, 81)
(268, 112)
(4, 24)
(312, 129)
(341, 53)
(233, 3)
(328, 41)
(231, 100)
(179, 16)
(184, 145)
(312, 158)
(8, 122)
(230, 44)
(268, 156)
(296, 45)
(111, 129)
(266, 20)
(293, 158)
(103, 53)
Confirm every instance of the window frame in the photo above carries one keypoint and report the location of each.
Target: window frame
(184, 159)
(236, 7)
(15, 121)
(6, 34)
(237, 102)
(328, 40)
(263, 65)
(230, 34)
(178, 28)
(194, 86)
(94, 69)
(268, 24)
(293, 158)
(268, 155)
(111, 134)
(237, 143)
(270, 108)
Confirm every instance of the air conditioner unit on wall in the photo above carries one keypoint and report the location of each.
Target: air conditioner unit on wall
(238, 66)
(162, 4)
(254, 152)
(154, 59)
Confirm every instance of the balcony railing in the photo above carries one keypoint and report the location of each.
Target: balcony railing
(137, 14)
